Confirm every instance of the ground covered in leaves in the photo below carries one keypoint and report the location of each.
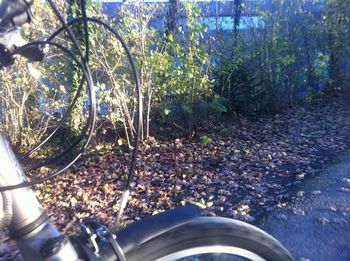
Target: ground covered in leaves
(241, 169)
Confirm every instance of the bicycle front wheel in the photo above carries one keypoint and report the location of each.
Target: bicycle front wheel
(209, 238)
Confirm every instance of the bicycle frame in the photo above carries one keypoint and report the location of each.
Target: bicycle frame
(28, 223)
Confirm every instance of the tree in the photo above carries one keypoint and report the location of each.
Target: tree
(337, 19)
(172, 16)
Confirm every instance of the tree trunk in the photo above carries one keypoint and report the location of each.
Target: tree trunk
(172, 16)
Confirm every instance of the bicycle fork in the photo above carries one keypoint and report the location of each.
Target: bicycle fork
(26, 220)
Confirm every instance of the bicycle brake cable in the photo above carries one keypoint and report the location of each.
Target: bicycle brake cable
(92, 115)
(87, 76)
(89, 136)
(67, 113)
(131, 171)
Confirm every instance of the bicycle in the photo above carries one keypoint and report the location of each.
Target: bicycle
(178, 234)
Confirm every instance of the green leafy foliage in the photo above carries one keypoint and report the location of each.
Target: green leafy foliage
(298, 49)
(205, 140)
(188, 76)
(218, 104)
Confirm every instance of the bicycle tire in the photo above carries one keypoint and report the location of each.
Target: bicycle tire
(211, 235)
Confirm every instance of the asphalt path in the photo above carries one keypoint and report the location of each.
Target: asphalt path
(315, 226)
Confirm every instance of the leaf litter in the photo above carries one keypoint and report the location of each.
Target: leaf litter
(247, 168)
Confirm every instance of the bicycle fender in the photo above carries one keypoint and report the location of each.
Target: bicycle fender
(150, 227)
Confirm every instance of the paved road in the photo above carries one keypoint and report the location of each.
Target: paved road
(316, 225)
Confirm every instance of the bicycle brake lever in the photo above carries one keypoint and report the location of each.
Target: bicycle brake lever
(8, 42)
(11, 41)
(34, 53)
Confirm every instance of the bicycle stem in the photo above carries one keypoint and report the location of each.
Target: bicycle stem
(29, 225)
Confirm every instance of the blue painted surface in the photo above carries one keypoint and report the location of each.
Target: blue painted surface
(225, 23)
